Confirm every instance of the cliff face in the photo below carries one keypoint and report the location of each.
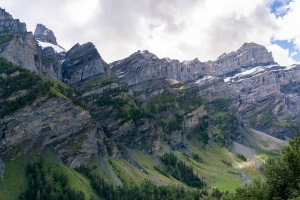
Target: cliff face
(248, 55)
(82, 62)
(58, 124)
(143, 66)
(42, 33)
(16, 45)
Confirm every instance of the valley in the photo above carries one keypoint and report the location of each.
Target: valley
(73, 126)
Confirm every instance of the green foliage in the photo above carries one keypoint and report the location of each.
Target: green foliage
(223, 120)
(201, 130)
(8, 107)
(125, 109)
(226, 162)
(45, 185)
(15, 78)
(197, 158)
(179, 170)
(146, 190)
(178, 103)
(172, 125)
(23, 79)
(283, 174)
(282, 177)
(241, 156)
(4, 39)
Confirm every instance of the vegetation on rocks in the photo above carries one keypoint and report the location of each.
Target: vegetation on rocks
(14, 79)
(146, 190)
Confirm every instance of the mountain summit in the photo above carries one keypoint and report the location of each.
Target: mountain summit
(42, 33)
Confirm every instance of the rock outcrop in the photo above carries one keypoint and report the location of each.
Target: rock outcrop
(248, 55)
(57, 124)
(16, 44)
(143, 65)
(83, 62)
(42, 33)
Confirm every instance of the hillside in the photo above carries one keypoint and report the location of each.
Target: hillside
(74, 127)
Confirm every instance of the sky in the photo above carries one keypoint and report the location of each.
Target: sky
(183, 30)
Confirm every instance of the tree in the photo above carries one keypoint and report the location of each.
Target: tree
(283, 174)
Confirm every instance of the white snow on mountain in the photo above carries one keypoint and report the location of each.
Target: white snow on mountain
(56, 48)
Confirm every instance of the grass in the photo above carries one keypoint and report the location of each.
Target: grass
(77, 181)
(58, 94)
(78, 144)
(16, 182)
(14, 176)
(252, 172)
(213, 171)
(149, 162)
(263, 155)
(126, 172)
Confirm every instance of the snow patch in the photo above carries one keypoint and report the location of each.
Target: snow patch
(56, 48)
(46, 32)
(205, 78)
(290, 67)
(241, 54)
(253, 71)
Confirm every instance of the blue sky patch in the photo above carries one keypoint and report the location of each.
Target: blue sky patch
(153, 26)
(285, 44)
(278, 7)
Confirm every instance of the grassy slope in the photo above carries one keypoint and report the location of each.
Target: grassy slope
(214, 172)
(15, 180)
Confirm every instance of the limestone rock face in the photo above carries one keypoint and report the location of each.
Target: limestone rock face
(16, 44)
(42, 33)
(143, 66)
(49, 62)
(57, 124)
(82, 62)
(248, 55)
(8, 25)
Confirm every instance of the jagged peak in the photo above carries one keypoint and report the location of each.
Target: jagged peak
(8, 23)
(42, 33)
(144, 54)
(5, 15)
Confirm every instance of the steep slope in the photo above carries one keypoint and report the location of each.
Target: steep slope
(50, 55)
(16, 44)
(43, 34)
(82, 62)
(143, 66)
(37, 113)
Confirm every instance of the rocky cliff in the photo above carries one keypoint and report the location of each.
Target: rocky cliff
(42, 33)
(82, 62)
(16, 44)
(143, 66)
(38, 114)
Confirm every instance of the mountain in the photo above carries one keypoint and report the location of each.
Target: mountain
(83, 124)
(16, 44)
(82, 62)
(43, 34)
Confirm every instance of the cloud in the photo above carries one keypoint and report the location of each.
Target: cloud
(169, 28)
(283, 56)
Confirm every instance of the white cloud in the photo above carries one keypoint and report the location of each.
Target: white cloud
(183, 29)
(289, 25)
(283, 56)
